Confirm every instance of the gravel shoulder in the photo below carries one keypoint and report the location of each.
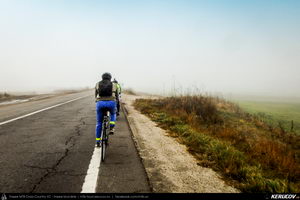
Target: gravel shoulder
(169, 166)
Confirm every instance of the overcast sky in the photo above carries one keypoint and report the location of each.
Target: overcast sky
(228, 46)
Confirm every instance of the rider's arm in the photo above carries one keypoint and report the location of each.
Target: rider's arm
(117, 95)
(120, 89)
(96, 91)
(116, 91)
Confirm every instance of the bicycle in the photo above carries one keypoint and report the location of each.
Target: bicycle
(105, 133)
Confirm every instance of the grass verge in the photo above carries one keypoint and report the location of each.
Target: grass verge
(8, 97)
(250, 154)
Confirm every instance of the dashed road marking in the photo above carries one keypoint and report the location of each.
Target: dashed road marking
(38, 111)
(90, 181)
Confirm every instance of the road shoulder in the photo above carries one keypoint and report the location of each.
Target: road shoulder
(122, 171)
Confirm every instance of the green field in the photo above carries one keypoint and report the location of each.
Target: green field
(275, 112)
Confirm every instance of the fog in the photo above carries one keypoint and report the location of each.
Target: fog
(229, 47)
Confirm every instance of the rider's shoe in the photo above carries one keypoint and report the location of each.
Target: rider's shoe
(118, 113)
(98, 144)
(112, 131)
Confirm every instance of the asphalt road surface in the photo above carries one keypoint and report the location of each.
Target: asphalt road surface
(50, 151)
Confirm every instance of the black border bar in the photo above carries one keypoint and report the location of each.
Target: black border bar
(146, 196)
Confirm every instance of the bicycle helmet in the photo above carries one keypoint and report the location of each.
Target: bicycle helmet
(115, 81)
(106, 76)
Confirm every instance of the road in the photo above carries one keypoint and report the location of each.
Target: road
(50, 151)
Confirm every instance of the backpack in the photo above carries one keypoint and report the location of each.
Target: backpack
(105, 88)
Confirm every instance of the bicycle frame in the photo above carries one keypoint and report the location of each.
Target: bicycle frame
(105, 134)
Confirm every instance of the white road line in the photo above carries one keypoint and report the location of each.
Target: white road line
(38, 111)
(90, 181)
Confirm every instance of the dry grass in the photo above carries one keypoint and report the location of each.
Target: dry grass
(8, 97)
(5, 95)
(129, 91)
(262, 158)
(70, 91)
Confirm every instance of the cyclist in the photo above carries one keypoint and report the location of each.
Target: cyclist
(119, 90)
(105, 94)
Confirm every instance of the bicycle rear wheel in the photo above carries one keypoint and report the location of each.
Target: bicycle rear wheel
(103, 146)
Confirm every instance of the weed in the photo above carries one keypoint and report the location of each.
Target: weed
(129, 91)
(5, 95)
(223, 136)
